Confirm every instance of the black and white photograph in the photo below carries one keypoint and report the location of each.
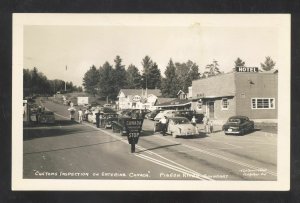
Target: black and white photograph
(151, 102)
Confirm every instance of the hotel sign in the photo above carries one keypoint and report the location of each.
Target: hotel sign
(246, 69)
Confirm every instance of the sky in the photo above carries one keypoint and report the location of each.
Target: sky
(51, 48)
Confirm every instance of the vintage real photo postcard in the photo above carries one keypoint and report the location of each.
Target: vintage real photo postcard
(151, 102)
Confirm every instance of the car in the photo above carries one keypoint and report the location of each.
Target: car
(46, 117)
(107, 118)
(118, 125)
(189, 115)
(238, 125)
(178, 126)
(167, 113)
(152, 114)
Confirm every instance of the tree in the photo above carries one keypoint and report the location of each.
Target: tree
(269, 64)
(119, 74)
(151, 74)
(133, 77)
(106, 84)
(212, 69)
(169, 85)
(91, 80)
(239, 63)
(186, 73)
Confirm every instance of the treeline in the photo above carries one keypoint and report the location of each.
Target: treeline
(107, 80)
(36, 83)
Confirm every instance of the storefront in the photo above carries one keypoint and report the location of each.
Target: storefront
(252, 94)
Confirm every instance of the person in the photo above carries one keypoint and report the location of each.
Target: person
(97, 118)
(80, 114)
(193, 121)
(86, 113)
(206, 123)
(211, 127)
(163, 121)
(72, 114)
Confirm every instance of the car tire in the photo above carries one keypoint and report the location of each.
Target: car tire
(242, 132)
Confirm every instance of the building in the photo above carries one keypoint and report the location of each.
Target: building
(252, 94)
(179, 103)
(138, 98)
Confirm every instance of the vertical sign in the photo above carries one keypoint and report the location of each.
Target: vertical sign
(133, 127)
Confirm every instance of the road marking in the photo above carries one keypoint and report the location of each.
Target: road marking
(183, 168)
(175, 168)
(185, 145)
(221, 157)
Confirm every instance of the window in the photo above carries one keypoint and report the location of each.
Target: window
(225, 104)
(263, 103)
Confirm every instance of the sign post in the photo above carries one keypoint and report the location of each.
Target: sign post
(133, 127)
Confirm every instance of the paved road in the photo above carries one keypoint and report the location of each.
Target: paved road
(72, 150)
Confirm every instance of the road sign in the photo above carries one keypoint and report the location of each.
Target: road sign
(133, 127)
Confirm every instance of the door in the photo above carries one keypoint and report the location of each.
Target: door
(211, 110)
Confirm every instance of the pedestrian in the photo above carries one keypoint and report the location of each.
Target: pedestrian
(86, 113)
(97, 118)
(211, 127)
(80, 114)
(206, 123)
(72, 114)
(193, 121)
(163, 121)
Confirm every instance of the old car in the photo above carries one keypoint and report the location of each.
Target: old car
(189, 115)
(152, 114)
(107, 119)
(46, 117)
(118, 125)
(238, 125)
(167, 113)
(178, 126)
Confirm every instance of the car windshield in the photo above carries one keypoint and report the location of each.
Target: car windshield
(234, 120)
(180, 121)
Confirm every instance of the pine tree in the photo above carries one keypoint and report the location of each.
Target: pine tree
(169, 85)
(133, 77)
(90, 80)
(269, 64)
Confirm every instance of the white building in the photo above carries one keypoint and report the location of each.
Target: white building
(138, 98)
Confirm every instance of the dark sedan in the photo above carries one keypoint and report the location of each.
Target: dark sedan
(238, 125)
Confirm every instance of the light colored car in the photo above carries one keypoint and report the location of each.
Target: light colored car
(167, 113)
(179, 126)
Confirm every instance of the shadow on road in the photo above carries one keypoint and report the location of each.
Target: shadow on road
(160, 147)
(75, 147)
(201, 135)
(59, 128)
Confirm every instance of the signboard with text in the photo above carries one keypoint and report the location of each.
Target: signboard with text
(82, 100)
(246, 69)
(133, 127)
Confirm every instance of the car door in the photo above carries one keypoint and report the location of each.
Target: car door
(157, 127)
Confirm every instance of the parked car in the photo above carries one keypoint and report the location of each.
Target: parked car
(167, 113)
(152, 114)
(189, 115)
(178, 126)
(107, 118)
(46, 117)
(118, 125)
(238, 125)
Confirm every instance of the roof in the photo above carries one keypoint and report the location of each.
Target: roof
(175, 102)
(140, 92)
(161, 100)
